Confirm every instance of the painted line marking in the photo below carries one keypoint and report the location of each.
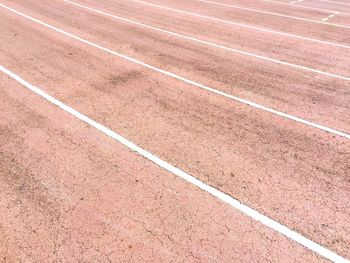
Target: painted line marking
(193, 83)
(334, 2)
(294, 2)
(242, 25)
(270, 223)
(302, 6)
(273, 14)
(328, 17)
(210, 43)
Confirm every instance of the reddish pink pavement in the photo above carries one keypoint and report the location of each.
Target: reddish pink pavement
(289, 25)
(269, 7)
(273, 9)
(280, 87)
(71, 194)
(326, 57)
(334, 5)
(293, 173)
(309, 9)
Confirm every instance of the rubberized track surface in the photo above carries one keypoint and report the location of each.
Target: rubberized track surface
(228, 102)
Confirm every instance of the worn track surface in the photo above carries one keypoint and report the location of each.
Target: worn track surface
(69, 193)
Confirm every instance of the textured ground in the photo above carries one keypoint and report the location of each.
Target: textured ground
(70, 193)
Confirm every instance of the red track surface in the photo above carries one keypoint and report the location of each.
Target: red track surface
(69, 193)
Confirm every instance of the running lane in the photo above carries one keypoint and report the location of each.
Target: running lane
(334, 5)
(294, 174)
(274, 9)
(289, 25)
(305, 94)
(69, 193)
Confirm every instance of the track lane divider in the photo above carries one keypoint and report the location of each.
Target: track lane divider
(294, 2)
(335, 2)
(242, 25)
(192, 83)
(275, 14)
(252, 213)
(300, 67)
(328, 17)
(302, 6)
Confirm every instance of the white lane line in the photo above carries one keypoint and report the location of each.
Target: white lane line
(274, 14)
(302, 6)
(193, 83)
(210, 43)
(328, 17)
(294, 2)
(270, 223)
(334, 2)
(242, 25)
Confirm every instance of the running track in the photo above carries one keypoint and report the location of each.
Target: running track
(174, 131)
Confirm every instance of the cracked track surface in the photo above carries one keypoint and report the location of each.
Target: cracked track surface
(70, 194)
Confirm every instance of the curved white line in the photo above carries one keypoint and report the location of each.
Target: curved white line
(193, 83)
(212, 44)
(304, 7)
(242, 25)
(274, 14)
(334, 2)
(270, 223)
